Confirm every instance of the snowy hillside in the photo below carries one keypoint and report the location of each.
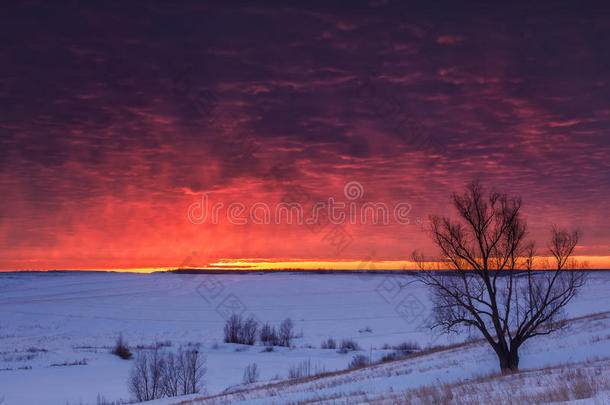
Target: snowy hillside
(570, 365)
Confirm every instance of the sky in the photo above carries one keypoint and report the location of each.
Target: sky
(122, 123)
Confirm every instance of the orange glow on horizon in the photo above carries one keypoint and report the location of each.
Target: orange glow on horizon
(593, 262)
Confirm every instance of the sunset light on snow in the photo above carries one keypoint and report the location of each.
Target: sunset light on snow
(304, 202)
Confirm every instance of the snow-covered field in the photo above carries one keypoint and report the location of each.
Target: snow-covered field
(51, 320)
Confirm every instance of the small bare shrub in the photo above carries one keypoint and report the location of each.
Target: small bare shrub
(36, 350)
(348, 345)
(269, 335)
(82, 362)
(238, 330)
(395, 355)
(165, 343)
(247, 333)
(359, 360)
(101, 400)
(251, 374)
(329, 344)
(232, 329)
(401, 351)
(121, 348)
(407, 347)
(286, 332)
(145, 379)
(304, 369)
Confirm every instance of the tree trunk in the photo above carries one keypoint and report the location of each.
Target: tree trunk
(509, 361)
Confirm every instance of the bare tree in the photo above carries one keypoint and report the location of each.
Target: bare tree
(530, 255)
(192, 371)
(492, 285)
(158, 374)
(145, 381)
(251, 374)
(562, 245)
(171, 375)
